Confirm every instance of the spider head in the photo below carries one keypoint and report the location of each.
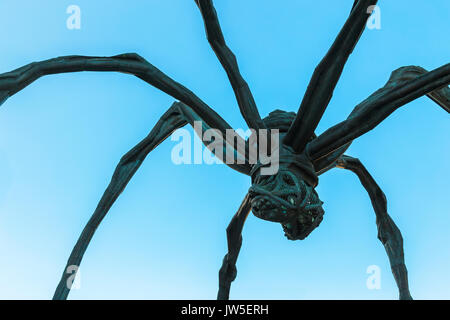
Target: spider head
(287, 199)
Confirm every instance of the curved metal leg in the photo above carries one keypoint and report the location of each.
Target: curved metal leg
(176, 117)
(405, 85)
(388, 233)
(228, 271)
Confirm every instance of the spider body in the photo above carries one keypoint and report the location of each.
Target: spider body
(286, 196)
(287, 199)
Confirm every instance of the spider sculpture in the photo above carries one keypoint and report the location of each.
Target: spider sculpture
(288, 196)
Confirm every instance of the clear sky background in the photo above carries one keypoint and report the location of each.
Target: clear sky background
(61, 138)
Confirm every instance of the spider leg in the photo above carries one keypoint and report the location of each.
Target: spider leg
(228, 271)
(176, 117)
(402, 75)
(326, 76)
(228, 60)
(328, 162)
(130, 63)
(388, 233)
(405, 85)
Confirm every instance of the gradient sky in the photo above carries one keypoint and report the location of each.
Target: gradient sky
(61, 138)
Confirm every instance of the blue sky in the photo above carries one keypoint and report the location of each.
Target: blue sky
(61, 138)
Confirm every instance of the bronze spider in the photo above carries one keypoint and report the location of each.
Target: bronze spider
(287, 197)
